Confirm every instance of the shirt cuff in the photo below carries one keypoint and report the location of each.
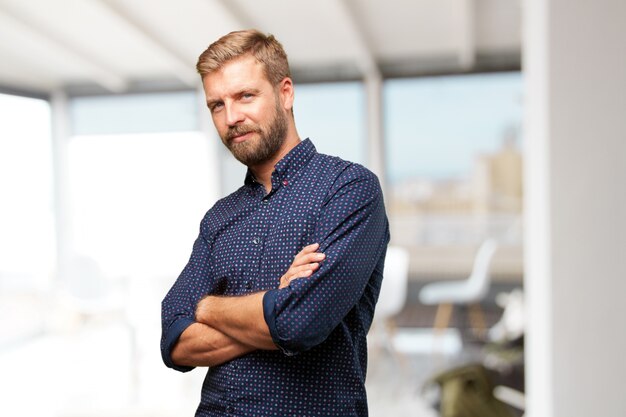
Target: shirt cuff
(171, 337)
(269, 314)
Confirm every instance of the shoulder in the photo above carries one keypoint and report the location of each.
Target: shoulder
(224, 210)
(342, 175)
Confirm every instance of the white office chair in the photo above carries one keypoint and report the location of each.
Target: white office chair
(467, 292)
(394, 288)
(392, 297)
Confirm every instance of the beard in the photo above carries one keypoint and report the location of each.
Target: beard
(256, 151)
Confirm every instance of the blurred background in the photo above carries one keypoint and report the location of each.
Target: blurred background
(495, 126)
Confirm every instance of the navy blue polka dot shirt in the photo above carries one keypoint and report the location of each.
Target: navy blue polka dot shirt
(247, 242)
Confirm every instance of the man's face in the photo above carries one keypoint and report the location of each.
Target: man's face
(246, 110)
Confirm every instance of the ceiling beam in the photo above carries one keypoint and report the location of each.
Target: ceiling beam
(19, 68)
(467, 34)
(180, 66)
(98, 71)
(366, 61)
(238, 14)
(365, 58)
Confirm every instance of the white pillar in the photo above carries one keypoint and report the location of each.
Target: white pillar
(375, 144)
(575, 175)
(215, 182)
(62, 213)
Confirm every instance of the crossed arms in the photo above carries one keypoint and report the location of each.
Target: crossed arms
(228, 327)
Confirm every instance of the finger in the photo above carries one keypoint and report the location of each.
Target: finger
(313, 257)
(310, 248)
(302, 274)
(302, 270)
(308, 258)
(297, 272)
(307, 249)
(286, 281)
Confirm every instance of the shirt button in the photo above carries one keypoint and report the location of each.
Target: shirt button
(256, 240)
(248, 284)
(285, 182)
(230, 409)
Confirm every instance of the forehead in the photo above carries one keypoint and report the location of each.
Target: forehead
(236, 75)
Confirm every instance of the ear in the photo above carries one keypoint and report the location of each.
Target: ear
(285, 91)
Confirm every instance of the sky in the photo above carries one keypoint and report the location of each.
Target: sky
(433, 126)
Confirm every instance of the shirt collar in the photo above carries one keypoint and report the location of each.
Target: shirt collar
(285, 169)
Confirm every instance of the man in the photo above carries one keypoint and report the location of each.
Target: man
(280, 289)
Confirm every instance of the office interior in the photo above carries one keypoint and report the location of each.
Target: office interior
(495, 127)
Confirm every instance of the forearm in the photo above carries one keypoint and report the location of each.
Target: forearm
(240, 318)
(201, 345)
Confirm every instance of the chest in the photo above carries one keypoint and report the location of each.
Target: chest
(254, 246)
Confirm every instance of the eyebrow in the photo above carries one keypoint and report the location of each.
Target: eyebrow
(256, 91)
(249, 90)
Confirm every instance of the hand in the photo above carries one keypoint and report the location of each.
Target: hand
(304, 264)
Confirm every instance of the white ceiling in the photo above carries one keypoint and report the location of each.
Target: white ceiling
(122, 45)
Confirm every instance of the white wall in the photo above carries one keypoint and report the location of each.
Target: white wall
(575, 69)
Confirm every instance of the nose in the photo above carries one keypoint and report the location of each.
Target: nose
(234, 115)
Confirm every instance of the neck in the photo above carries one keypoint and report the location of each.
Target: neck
(263, 172)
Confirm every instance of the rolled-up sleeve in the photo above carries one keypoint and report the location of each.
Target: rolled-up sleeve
(178, 306)
(353, 233)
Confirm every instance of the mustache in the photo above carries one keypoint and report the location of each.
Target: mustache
(240, 130)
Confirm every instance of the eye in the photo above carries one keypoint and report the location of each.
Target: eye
(247, 96)
(216, 106)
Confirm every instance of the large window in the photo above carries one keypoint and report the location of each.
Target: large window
(137, 200)
(333, 116)
(139, 181)
(26, 219)
(27, 245)
(454, 164)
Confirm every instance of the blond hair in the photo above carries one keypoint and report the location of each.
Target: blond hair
(265, 49)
